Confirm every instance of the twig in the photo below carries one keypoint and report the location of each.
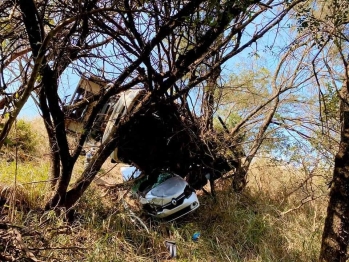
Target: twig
(6, 226)
(303, 202)
(223, 124)
(21, 246)
(42, 181)
(132, 214)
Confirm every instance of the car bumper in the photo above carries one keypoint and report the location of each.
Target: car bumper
(189, 204)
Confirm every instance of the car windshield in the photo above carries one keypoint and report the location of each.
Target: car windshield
(170, 187)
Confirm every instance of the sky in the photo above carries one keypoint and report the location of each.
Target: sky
(68, 84)
(70, 79)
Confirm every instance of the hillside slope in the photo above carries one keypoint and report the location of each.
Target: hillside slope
(279, 217)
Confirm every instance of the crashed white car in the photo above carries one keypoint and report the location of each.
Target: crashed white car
(169, 198)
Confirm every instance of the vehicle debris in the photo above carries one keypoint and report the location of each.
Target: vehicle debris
(165, 135)
(172, 248)
(169, 197)
(196, 236)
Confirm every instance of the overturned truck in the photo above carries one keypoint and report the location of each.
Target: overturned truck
(164, 136)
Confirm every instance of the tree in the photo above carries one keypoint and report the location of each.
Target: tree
(160, 47)
(325, 28)
(335, 237)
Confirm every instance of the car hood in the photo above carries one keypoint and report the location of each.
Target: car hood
(166, 191)
(172, 187)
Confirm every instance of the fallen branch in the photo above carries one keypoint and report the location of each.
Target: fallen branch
(124, 186)
(7, 226)
(303, 202)
(15, 247)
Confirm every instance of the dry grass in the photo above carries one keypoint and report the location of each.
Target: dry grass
(247, 227)
(42, 145)
(279, 217)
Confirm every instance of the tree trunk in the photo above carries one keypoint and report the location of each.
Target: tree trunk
(54, 149)
(83, 182)
(35, 32)
(336, 231)
(77, 190)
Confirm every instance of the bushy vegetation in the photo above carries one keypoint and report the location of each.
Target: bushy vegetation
(29, 180)
(233, 228)
(22, 136)
(28, 139)
(277, 218)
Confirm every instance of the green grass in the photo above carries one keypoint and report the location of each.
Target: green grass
(31, 180)
(27, 172)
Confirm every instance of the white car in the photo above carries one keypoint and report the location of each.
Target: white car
(169, 198)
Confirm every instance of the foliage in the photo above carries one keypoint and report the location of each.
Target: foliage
(330, 104)
(23, 137)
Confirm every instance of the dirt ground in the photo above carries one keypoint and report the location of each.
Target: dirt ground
(110, 173)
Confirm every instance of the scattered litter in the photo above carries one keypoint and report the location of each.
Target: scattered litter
(89, 156)
(196, 236)
(172, 248)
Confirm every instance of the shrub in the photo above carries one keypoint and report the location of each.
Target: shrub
(22, 136)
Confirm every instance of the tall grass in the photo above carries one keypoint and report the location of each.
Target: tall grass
(279, 217)
(30, 180)
(233, 227)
